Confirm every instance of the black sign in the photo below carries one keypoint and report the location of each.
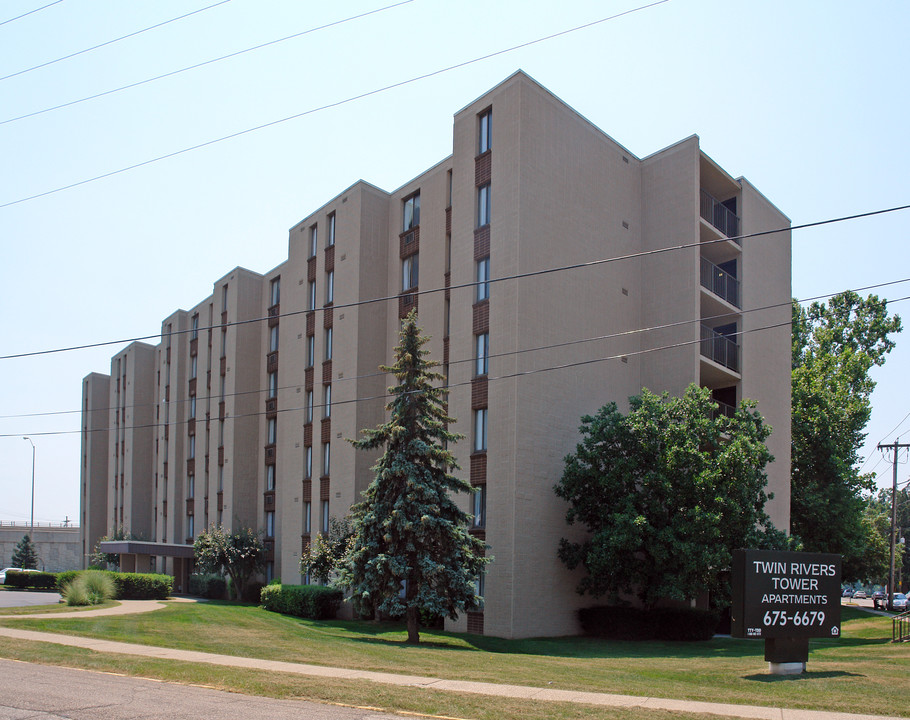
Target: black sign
(785, 594)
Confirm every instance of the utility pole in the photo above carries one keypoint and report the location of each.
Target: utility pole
(895, 447)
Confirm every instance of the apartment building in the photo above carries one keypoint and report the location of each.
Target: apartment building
(554, 270)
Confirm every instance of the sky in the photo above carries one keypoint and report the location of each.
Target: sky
(807, 100)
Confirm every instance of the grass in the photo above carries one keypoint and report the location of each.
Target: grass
(860, 672)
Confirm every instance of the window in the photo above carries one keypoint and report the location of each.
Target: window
(195, 333)
(485, 131)
(273, 384)
(270, 523)
(410, 270)
(223, 382)
(191, 453)
(310, 350)
(484, 205)
(307, 516)
(480, 430)
(224, 343)
(275, 291)
(311, 297)
(447, 319)
(482, 354)
(190, 526)
(411, 212)
(309, 407)
(326, 458)
(313, 241)
(273, 338)
(191, 486)
(480, 506)
(331, 239)
(328, 343)
(193, 366)
(325, 517)
(270, 477)
(308, 470)
(479, 586)
(192, 407)
(329, 287)
(272, 431)
(483, 279)
(327, 401)
(224, 298)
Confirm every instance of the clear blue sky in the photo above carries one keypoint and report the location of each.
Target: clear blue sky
(808, 100)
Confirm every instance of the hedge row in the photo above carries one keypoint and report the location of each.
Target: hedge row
(208, 586)
(307, 601)
(629, 623)
(36, 580)
(128, 586)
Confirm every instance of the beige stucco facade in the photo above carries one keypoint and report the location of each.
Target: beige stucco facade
(607, 273)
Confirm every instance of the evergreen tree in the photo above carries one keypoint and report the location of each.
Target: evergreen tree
(24, 555)
(411, 551)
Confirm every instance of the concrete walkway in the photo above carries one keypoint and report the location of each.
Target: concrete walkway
(461, 686)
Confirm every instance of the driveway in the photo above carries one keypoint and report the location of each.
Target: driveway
(25, 598)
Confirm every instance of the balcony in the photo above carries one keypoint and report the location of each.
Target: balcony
(719, 348)
(719, 215)
(723, 410)
(720, 282)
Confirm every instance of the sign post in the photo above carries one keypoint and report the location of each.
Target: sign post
(785, 598)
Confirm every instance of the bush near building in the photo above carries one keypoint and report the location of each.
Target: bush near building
(208, 585)
(314, 602)
(128, 586)
(31, 580)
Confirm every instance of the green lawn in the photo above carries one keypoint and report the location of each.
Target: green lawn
(861, 672)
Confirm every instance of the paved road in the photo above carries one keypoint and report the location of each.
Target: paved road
(23, 598)
(38, 692)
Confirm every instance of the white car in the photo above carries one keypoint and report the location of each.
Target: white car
(900, 602)
(6, 570)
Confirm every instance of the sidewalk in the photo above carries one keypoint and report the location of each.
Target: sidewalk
(461, 686)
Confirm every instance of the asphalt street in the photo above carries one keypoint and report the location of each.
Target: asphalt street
(40, 692)
(22, 598)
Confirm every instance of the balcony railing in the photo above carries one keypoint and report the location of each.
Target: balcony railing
(723, 410)
(719, 348)
(720, 282)
(719, 215)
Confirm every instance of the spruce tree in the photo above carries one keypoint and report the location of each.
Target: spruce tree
(24, 555)
(411, 552)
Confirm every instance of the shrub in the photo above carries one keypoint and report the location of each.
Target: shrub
(91, 587)
(630, 623)
(142, 586)
(34, 580)
(314, 602)
(208, 585)
(65, 578)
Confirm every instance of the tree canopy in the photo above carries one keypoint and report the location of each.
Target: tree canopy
(238, 555)
(411, 551)
(666, 493)
(835, 345)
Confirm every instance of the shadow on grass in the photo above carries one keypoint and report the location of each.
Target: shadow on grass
(804, 677)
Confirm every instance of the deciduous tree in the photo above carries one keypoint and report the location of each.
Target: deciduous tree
(835, 345)
(411, 552)
(238, 555)
(666, 493)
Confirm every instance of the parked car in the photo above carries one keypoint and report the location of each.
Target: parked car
(900, 602)
(860, 595)
(6, 570)
(848, 592)
(878, 595)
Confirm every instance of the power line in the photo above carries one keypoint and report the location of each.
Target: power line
(327, 106)
(202, 64)
(30, 12)
(110, 42)
(552, 346)
(447, 388)
(517, 276)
